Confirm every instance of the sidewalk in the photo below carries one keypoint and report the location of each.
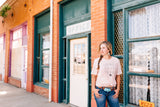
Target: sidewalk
(11, 96)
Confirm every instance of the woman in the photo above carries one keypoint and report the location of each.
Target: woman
(106, 77)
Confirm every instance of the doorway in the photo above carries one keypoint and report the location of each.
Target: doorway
(79, 72)
(2, 56)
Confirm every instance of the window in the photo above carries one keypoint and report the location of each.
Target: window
(17, 38)
(144, 54)
(45, 51)
(144, 22)
(118, 44)
(42, 49)
(16, 62)
(1, 43)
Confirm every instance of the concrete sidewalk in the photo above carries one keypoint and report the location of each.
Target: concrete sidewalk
(11, 96)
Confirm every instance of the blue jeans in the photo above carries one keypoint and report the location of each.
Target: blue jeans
(101, 101)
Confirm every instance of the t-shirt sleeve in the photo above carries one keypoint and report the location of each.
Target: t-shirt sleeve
(119, 71)
(94, 68)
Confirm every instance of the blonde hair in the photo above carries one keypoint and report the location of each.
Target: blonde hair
(109, 47)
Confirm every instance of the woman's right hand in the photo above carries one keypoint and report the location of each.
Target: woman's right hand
(96, 93)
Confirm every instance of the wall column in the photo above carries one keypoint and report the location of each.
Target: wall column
(98, 30)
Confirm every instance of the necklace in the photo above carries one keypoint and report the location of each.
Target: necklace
(110, 70)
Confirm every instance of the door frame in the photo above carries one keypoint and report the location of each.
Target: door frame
(3, 71)
(67, 70)
(24, 76)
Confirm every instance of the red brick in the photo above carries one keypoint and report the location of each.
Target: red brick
(41, 91)
(14, 81)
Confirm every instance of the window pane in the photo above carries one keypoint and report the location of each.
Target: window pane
(17, 34)
(79, 59)
(144, 56)
(16, 62)
(1, 40)
(139, 89)
(118, 33)
(17, 43)
(1, 43)
(45, 75)
(46, 58)
(46, 41)
(144, 22)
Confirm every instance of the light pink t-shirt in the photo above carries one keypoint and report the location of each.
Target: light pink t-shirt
(107, 71)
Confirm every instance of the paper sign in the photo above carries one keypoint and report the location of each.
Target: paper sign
(145, 104)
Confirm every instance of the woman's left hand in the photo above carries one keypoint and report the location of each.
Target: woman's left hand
(116, 93)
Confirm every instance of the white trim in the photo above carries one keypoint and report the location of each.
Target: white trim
(78, 28)
(50, 65)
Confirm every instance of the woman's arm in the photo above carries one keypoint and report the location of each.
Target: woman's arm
(95, 91)
(118, 80)
(94, 77)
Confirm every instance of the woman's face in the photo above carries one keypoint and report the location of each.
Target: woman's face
(104, 50)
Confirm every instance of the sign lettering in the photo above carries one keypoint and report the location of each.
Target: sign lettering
(145, 104)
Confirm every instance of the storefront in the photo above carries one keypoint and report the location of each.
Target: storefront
(74, 53)
(18, 56)
(2, 56)
(136, 42)
(42, 49)
(132, 26)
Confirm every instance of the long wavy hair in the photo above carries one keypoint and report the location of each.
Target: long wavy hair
(109, 47)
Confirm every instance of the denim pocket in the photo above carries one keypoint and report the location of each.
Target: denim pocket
(100, 91)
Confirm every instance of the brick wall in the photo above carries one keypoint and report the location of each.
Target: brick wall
(14, 81)
(55, 51)
(35, 7)
(41, 91)
(98, 30)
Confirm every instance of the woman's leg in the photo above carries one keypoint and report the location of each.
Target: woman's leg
(113, 102)
(101, 101)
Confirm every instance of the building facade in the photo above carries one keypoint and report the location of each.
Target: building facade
(78, 28)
